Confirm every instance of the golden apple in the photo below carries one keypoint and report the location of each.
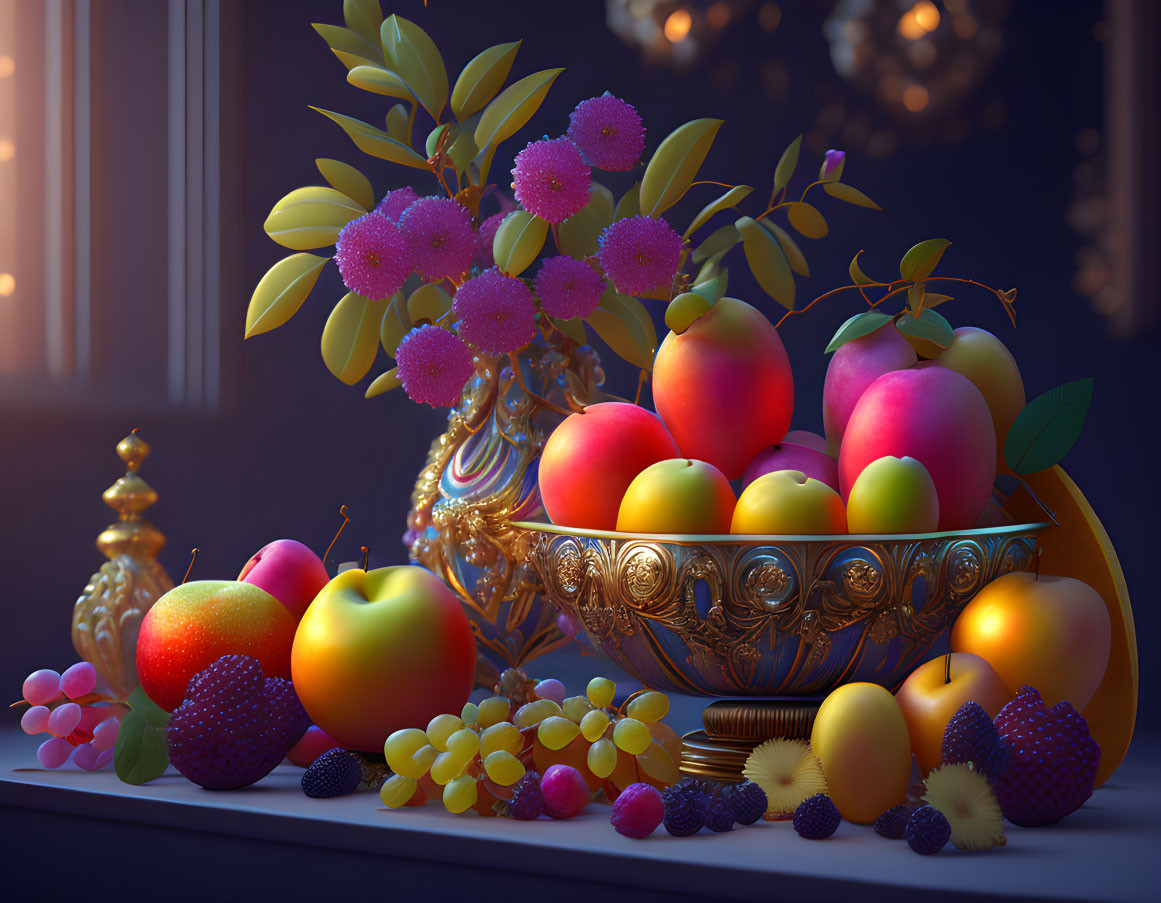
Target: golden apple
(788, 502)
(1051, 633)
(677, 496)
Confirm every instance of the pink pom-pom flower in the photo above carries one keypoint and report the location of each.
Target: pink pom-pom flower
(568, 287)
(373, 257)
(639, 254)
(608, 132)
(440, 235)
(433, 365)
(497, 313)
(395, 202)
(483, 257)
(551, 179)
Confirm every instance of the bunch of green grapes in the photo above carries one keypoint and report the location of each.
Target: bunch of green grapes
(494, 743)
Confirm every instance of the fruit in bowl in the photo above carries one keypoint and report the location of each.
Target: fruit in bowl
(788, 455)
(788, 502)
(677, 496)
(893, 495)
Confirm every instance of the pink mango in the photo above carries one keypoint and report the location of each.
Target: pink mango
(805, 438)
(939, 418)
(289, 571)
(853, 367)
(789, 456)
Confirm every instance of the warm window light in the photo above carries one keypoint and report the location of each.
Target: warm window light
(7, 284)
(7, 150)
(677, 26)
(915, 98)
(7, 66)
(922, 18)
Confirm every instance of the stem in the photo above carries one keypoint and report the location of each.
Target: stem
(346, 519)
(518, 375)
(642, 378)
(947, 669)
(834, 291)
(1004, 302)
(191, 564)
(712, 182)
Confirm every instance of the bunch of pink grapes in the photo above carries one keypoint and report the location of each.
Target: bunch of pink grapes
(82, 725)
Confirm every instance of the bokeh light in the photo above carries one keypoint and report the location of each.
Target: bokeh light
(677, 25)
(7, 150)
(7, 285)
(7, 66)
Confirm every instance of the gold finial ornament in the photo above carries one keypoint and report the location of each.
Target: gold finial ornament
(108, 615)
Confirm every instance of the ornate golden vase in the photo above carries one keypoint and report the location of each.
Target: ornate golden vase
(480, 477)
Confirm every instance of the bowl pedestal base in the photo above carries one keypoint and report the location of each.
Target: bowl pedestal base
(733, 727)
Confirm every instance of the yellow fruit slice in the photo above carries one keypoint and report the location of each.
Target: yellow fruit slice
(1080, 548)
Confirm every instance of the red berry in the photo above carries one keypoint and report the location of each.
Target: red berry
(638, 811)
(565, 792)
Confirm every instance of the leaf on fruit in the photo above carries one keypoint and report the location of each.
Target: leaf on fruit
(717, 243)
(141, 752)
(731, 198)
(626, 327)
(794, 255)
(350, 338)
(280, 293)
(858, 277)
(395, 325)
(856, 327)
(929, 333)
(1048, 427)
(713, 289)
(410, 52)
(675, 163)
(384, 382)
(310, 218)
(767, 261)
(482, 79)
(508, 113)
(807, 220)
(630, 203)
(349, 46)
(787, 163)
(379, 80)
(371, 140)
(686, 308)
(920, 262)
(428, 302)
(518, 241)
(578, 235)
(850, 194)
(345, 178)
(363, 17)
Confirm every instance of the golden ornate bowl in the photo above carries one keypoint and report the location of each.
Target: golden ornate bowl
(732, 615)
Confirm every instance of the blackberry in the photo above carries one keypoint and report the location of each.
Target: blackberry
(719, 814)
(927, 830)
(334, 773)
(527, 801)
(816, 817)
(748, 802)
(685, 808)
(892, 823)
(971, 736)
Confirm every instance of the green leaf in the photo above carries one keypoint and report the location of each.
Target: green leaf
(281, 291)
(731, 198)
(384, 382)
(807, 220)
(312, 217)
(717, 242)
(349, 46)
(850, 194)
(675, 163)
(410, 52)
(428, 302)
(787, 163)
(929, 333)
(1048, 427)
(350, 338)
(433, 137)
(508, 113)
(518, 241)
(919, 263)
(767, 261)
(345, 178)
(630, 203)
(379, 144)
(858, 277)
(714, 288)
(482, 78)
(141, 752)
(686, 308)
(378, 80)
(856, 327)
(463, 149)
(574, 329)
(625, 326)
(399, 123)
(395, 325)
(931, 300)
(794, 255)
(578, 235)
(364, 17)
(915, 298)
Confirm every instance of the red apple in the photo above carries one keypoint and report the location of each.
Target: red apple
(816, 464)
(929, 698)
(382, 650)
(724, 387)
(289, 571)
(936, 416)
(852, 369)
(591, 458)
(196, 623)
